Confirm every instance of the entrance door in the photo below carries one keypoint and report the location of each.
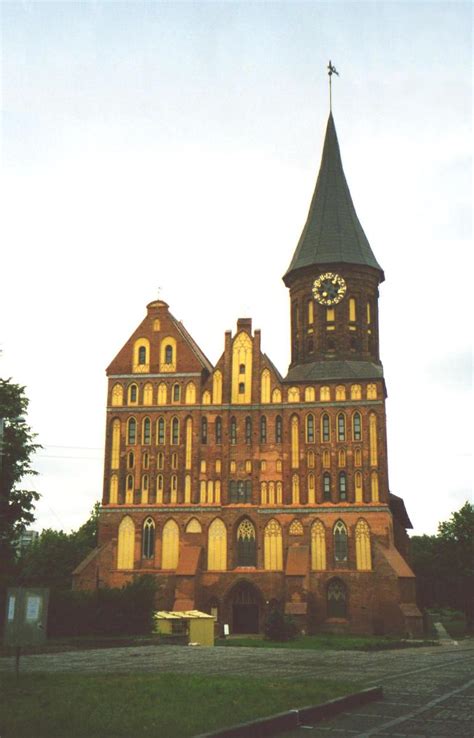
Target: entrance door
(245, 610)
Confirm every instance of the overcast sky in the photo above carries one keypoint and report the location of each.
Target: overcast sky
(175, 147)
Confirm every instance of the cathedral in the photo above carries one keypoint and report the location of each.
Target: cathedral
(241, 490)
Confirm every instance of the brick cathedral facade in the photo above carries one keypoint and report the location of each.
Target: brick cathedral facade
(240, 489)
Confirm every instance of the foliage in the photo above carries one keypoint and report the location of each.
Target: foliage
(279, 627)
(149, 705)
(107, 611)
(51, 559)
(17, 448)
(444, 564)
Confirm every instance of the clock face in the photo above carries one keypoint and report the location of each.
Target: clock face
(329, 289)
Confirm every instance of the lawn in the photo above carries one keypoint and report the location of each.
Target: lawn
(326, 641)
(171, 705)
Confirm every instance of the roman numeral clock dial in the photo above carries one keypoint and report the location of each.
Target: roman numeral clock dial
(329, 289)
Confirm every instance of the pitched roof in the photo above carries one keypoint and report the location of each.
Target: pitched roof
(334, 369)
(333, 233)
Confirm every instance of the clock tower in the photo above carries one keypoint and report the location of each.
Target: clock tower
(333, 280)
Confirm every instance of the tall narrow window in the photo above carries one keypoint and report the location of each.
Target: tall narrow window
(310, 428)
(170, 552)
(160, 460)
(233, 431)
(117, 394)
(217, 387)
(341, 457)
(311, 490)
(326, 487)
(356, 427)
(273, 546)
(374, 486)
(126, 544)
(310, 312)
(248, 430)
(246, 544)
(144, 488)
(265, 386)
(148, 539)
(148, 394)
(218, 430)
(295, 490)
(341, 427)
(162, 394)
(358, 491)
(336, 599)
(132, 394)
(325, 428)
(115, 450)
(188, 448)
(175, 431)
(342, 486)
(295, 452)
(129, 489)
(174, 489)
(142, 355)
(340, 542)
(310, 459)
(146, 431)
(352, 309)
(190, 396)
(203, 430)
(278, 429)
(146, 460)
(168, 354)
(363, 554)
(113, 490)
(318, 546)
(176, 393)
(373, 439)
(160, 431)
(217, 546)
(131, 431)
(326, 459)
(159, 489)
(263, 429)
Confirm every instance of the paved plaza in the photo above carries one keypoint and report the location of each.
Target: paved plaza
(428, 691)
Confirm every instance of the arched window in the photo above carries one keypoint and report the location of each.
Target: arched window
(341, 457)
(358, 491)
(162, 394)
(373, 439)
(233, 431)
(342, 486)
(248, 430)
(371, 391)
(265, 386)
(130, 460)
(115, 450)
(357, 457)
(336, 599)
(374, 486)
(194, 526)
(146, 431)
(309, 394)
(263, 429)
(131, 431)
(148, 539)
(325, 394)
(142, 355)
(176, 393)
(175, 431)
(148, 394)
(129, 489)
(217, 387)
(340, 542)
(311, 490)
(203, 430)
(279, 493)
(188, 444)
(159, 489)
(326, 487)
(168, 354)
(326, 459)
(206, 397)
(218, 430)
(113, 490)
(278, 465)
(295, 490)
(217, 546)
(296, 528)
(273, 546)
(318, 546)
(356, 427)
(187, 488)
(278, 429)
(117, 394)
(126, 544)
(340, 393)
(310, 428)
(341, 427)
(363, 555)
(144, 488)
(293, 394)
(352, 310)
(174, 489)
(276, 395)
(170, 554)
(295, 449)
(190, 397)
(174, 461)
(263, 493)
(356, 392)
(160, 433)
(325, 428)
(310, 459)
(160, 460)
(246, 544)
(132, 394)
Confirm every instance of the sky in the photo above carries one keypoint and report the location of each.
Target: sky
(171, 149)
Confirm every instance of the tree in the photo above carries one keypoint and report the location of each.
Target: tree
(17, 446)
(457, 537)
(51, 559)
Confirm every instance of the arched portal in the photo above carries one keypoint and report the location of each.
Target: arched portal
(246, 606)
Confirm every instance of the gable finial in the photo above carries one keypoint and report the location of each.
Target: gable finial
(331, 70)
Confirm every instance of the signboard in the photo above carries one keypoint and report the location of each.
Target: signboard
(26, 616)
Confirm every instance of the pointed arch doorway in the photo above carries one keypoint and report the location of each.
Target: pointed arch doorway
(245, 602)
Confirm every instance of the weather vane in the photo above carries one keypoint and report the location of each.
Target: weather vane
(331, 70)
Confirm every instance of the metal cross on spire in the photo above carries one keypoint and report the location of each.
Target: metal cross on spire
(331, 70)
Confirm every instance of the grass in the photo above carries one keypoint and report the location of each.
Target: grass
(326, 641)
(171, 705)
(453, 620)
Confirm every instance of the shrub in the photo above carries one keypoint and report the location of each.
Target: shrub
(279, 627)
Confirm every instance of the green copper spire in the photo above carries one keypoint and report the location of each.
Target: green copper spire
(333, 233)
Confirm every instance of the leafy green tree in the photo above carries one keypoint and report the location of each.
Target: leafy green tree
(457, 540)
(51, 559)
(17, 446)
